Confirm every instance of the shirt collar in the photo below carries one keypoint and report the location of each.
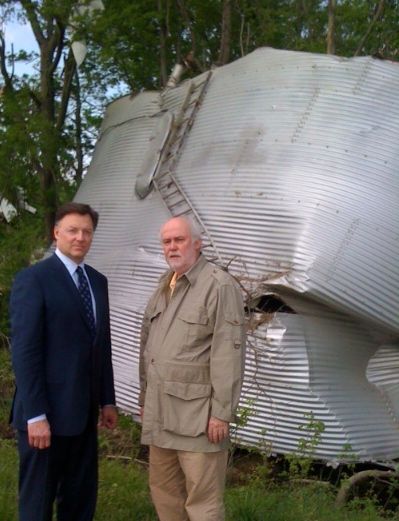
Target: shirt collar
(194, 271)
(68, 263)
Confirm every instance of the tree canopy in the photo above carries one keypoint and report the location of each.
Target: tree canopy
(49, 117)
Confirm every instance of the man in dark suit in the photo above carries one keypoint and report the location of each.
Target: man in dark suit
(61, 353)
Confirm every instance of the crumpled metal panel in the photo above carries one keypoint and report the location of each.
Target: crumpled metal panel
(291, 163)
(302, 368)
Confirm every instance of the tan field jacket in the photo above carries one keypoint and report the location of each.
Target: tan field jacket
(192, 358)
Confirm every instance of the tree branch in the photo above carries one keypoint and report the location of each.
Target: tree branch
(187, 20)
(69, 71)
(3, 64)
(377, 14)
(57, 41)
(34, 20)
(78, 131)
(35, 99)
(242, 25)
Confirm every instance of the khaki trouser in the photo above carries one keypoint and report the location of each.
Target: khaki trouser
(187, 486)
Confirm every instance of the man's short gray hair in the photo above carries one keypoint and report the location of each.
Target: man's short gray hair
(195, 229)
(192, 223)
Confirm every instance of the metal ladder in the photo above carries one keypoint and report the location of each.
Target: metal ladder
(172, 194)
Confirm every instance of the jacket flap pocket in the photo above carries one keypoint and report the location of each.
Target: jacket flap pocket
(187, 391)
(234, 318)
(197, 315)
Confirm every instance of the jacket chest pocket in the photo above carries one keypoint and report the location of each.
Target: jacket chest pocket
(195, 324)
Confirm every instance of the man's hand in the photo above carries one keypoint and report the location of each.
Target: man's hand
(39, 434)
(108, 417)
(218, 430)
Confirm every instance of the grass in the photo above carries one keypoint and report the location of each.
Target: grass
(123, 493)
(124, 496)
(6, 391)
(289, 504)
(252, 493)
(8, 480)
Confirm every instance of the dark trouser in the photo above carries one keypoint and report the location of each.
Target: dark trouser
(66, 472)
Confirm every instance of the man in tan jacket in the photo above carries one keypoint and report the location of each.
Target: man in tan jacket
(191, 371)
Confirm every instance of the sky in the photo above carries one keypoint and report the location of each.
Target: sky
(21, 37)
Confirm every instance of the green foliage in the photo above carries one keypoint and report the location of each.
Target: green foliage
(123, 442)
(128, 36)
(354, 18)
(123, 483)
(244, 412)
(124, 496)
(19, 240)
(288, 503)
(17, 136)
(123, 493)
(349, 458)
(134, 46)
(44, 137)
(8, 480)
(301, 460)
(6, 393)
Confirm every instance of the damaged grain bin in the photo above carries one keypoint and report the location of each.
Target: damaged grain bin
(289, 162)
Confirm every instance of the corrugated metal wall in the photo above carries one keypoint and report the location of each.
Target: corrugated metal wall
(291, 163)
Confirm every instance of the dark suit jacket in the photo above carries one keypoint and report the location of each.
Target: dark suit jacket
(59, 369)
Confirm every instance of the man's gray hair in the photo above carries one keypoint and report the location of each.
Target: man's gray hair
(192, 223)
(195, 229)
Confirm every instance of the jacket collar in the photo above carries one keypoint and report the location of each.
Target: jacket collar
(191, 275)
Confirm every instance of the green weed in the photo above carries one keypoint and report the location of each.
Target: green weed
(123, 493)
(8, 480)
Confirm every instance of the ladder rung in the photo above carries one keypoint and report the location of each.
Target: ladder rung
(161, 176)
(173, 205)
(171, 194)
(185, 212)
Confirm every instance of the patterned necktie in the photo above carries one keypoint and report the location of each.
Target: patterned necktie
(84, 291)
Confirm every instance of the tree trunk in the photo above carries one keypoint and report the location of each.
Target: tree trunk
(163, 34)
(49, 200)
(49, 32)
(8, 86)
(48, 139)
(225, 37)
(331, 27)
